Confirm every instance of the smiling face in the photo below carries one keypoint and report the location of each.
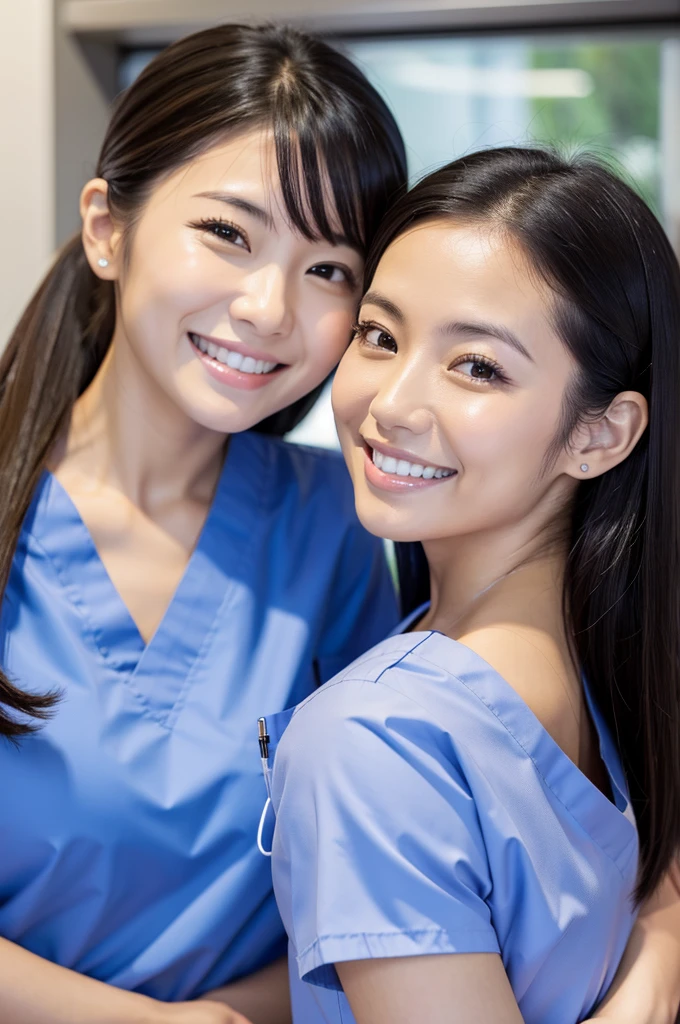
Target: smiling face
(450, 395)
(228, 311)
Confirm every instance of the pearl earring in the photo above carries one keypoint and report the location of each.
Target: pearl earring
(584, 467)
(102, 261)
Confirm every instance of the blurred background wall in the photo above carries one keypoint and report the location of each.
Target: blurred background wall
(27, 234)
(602, 75)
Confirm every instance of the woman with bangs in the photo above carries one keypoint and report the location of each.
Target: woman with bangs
(169, 565)
(471, 816)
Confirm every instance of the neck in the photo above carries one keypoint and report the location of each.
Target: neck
(495, 576)
(125, 431)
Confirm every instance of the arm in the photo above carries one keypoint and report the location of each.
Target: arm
(262, 997)
(360, 875)
(36, 991)
(429, 989)
(646, 989)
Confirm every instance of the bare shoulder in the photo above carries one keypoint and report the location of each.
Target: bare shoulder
(536, 665)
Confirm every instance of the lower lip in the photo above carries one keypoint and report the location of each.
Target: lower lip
(394, 483)
(234, 378)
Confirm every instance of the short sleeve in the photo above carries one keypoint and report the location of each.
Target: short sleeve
(363, 606)
(378, 850)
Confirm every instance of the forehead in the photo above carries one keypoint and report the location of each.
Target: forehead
(245, 167)
(444, 268)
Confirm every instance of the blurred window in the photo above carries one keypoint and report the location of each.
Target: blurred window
(454, 95)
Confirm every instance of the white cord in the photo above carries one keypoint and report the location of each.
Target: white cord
(260, 828)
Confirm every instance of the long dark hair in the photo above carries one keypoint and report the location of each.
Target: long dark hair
(617, 309)
(327, 121)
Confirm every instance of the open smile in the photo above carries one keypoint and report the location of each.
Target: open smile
(236, 366)
(394, 470)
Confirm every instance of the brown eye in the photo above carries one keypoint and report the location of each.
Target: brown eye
(481, 371)
(333, 273)
(372, 336)
(478, 368)
(222, 230)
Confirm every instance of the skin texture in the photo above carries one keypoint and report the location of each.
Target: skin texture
(35, 991)
(475, 403)
(147, 439)
(146, 444)
(647, 984)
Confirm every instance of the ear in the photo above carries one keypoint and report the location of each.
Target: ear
(101, 235)
(603, 443)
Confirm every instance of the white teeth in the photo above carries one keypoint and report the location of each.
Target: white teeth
(400, 467)
(235, 360)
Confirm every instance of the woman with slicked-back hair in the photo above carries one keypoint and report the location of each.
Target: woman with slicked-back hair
(169, 565)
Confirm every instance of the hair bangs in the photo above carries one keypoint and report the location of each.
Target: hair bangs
(317, 160)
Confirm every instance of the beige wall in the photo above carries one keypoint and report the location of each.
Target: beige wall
(26, 151)
(54, 99)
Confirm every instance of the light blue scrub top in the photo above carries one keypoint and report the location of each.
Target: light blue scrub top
(421, 808)
(128, 823)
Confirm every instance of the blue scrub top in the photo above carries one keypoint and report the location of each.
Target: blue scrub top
(421, 808)
(128, 823)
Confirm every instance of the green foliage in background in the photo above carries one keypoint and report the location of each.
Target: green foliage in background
(619, 119)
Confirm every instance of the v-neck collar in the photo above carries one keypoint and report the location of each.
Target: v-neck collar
(585, 799)
(160, 670)
(600, 816)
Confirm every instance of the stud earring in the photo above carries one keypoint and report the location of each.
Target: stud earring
(102, 261)
(584, 467)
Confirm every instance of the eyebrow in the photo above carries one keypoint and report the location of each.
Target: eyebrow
(481, 329)
(241, 204)
(263, 215)
(469, 328)
(387, 306)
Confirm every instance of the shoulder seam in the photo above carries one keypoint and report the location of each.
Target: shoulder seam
(344, 678)
(406, 654)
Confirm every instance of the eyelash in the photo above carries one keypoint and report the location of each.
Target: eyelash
(350, 278)
(361, 329)
(478, 360)
(215, 225)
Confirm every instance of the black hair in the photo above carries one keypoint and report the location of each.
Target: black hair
(331, 129)
(616, 282)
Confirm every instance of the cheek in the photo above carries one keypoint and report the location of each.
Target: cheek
(505, 434)
(352, 392)
(327, 335)
(171, 277)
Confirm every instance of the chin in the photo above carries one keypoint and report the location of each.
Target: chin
(220, 413)
(387, 523)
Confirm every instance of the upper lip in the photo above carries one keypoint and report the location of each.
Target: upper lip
(398, 453)
(237, 346)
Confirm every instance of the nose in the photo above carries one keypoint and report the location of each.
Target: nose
(401, 401)
(264, 302)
